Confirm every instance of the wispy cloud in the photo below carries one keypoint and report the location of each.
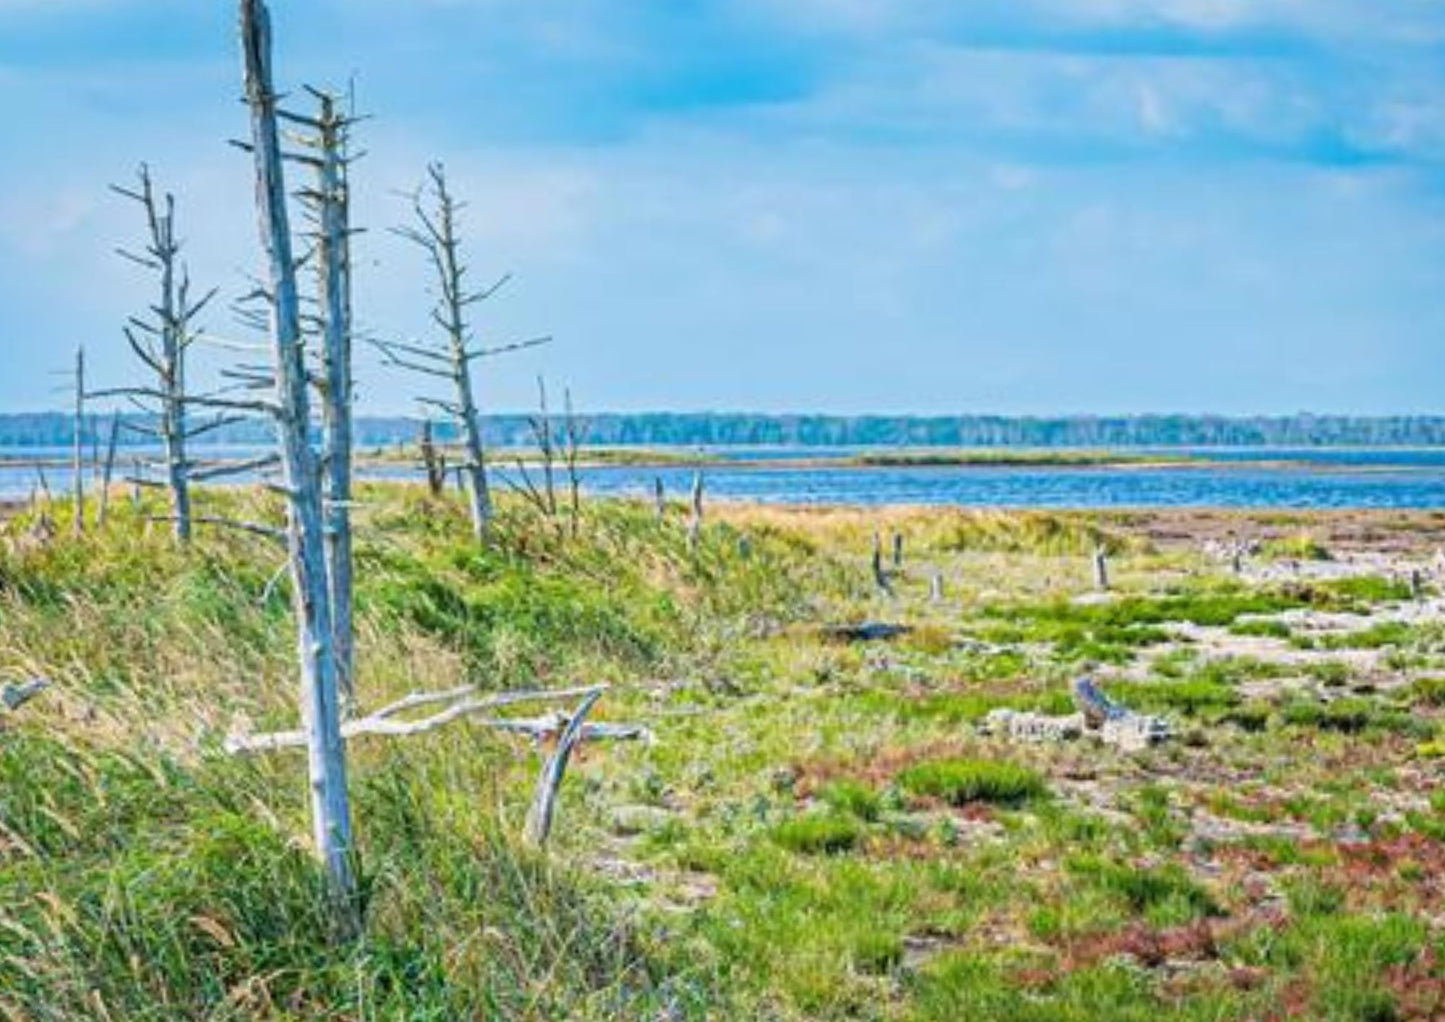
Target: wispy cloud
(845, 203)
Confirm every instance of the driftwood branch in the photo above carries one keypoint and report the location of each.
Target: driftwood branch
(465, 702)
(544, 802)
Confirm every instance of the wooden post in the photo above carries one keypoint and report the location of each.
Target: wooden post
(1101, 569)
(659, 498)
(880, 573)
(436, 476)
(78, 446)
(320, 701)
(107, 467)
(694, 527)
(897, 549)
(935, 587)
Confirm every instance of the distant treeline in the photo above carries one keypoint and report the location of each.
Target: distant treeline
(738, 428)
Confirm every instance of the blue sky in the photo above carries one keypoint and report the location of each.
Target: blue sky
(935, 206)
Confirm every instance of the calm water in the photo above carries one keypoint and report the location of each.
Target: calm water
(1317, 478)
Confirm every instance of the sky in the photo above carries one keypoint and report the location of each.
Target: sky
(926, 206)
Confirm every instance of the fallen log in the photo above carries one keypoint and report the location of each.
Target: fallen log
(464, 703)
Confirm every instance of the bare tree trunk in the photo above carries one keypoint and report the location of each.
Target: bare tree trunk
(334, 251)
(78, 448)
(107, 467)
(321, 712)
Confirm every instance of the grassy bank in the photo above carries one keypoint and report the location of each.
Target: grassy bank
(818, 832)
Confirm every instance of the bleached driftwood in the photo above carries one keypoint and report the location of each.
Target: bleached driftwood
(1099, 716)
(15, 696)
(1115, 723)
(544, 802)
(464, 702)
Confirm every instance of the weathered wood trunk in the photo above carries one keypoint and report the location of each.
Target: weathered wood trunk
(659, 498)
(334, 252)
(320, 703)
(1101, 569)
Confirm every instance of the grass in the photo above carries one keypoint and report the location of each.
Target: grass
(818, 832)
(960, 781)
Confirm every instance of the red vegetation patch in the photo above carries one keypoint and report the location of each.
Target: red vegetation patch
(878, 770)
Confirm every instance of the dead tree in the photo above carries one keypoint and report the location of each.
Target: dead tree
(78, 445)
(320, 684)
(326, 138)
(435, 232)
(162, 339)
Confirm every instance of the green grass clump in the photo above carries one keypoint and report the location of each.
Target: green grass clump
(960, 781)
(1262, 627)
(1168, 893)
(1353, 715)
(853, 798)
(819, 834)
(1426, 692)
(1187, 697)
(1299, 547)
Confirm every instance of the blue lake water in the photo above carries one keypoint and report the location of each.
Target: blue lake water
(1243, 478)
